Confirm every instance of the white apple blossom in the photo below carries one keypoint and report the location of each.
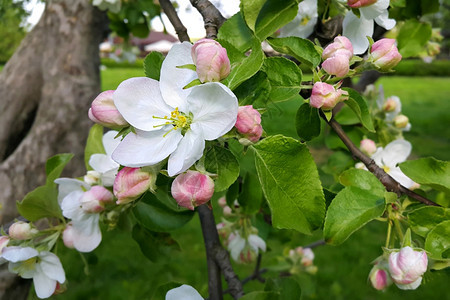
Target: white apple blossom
(44, 267)
(305, 21)
(238, 244)
(388, 157)
(170, 120)
(102, 163)
(356, 29)
(185, 292)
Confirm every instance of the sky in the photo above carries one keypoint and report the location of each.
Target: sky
(190, 17)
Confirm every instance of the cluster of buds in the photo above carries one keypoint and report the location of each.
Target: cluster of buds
(227, 210)
(192, 189)
(103, 111)
(211, 60)
(384, 54)
(337, 56)
(391, 108)
(405, 268)
(248, 124)
(245, 249)
(326, 96)
(302, 260)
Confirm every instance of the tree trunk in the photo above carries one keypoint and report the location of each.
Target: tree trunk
(46, 89)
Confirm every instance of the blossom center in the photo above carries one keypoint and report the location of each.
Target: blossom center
(386, 169)
(177, 119)
(304, 21)
(26, 266)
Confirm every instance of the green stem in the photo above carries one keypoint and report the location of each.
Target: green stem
(398, 229)
(388, 237)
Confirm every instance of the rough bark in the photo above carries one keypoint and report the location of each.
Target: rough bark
(46, 89)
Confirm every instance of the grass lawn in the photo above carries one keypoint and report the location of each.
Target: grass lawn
(118, 270)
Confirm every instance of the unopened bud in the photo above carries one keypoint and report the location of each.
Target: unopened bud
(68, 236)
(407, 267)
(93, 201)
(192, 189)
(222, 201)
(368, 147)
(401, 121)
(337, 65)
(379, 278)
(104, 112)
(325, 96)
(60, 288)
(360, 3)
(384, 54)
(22, 231)
(248, 123)
(227, 211)
(340, 46)
(308, 257)
(131, 183)
(390, 105)
(211, 60)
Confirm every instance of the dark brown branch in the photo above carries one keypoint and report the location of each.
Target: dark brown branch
(234, 284)
(212, 18)
(169, 10)
(390, 183)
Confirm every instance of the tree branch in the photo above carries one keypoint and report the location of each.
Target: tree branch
(169, 10)
(234, 284)
(212, 18)
(390, 183)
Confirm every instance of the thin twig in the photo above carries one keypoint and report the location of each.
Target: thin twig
(212, 18)
(257, 272)
(315, 244)
(171, 13)
(390, 183)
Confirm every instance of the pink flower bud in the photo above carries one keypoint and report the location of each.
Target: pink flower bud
(360, 3)
(104, 112)
(93, 201)
(379, 278)
(325, 96)
(22, 231)
(68, 236)
(211, 60)
(337, 65)
(384, 54)
(401, 121)
(130, 183)
(340, 46)
(248, 123)
(308, 257)
(227, 211)
(407, 267)
(390, 105)
(192, 189)
(4, 240)
(368, 146)
(222, 201)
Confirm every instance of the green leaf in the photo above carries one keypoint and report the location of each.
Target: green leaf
(232, 193)
(290, 183)
(346, 116)
(94, 144)
(222, 162)
(40, 203)
(359, 105)
(429, 6)
(250, 10)
(285, 78)
(352, 208)
(412, 37)
(424, 219)
(55, 166)
(254, 90)
(235, 32)
(301, 49)
(287, 288)
(154, 245)
(429, 171)
(362, 179)
(251, 196)
(160, 213)
(152, 65)
(274, 15)
(140, 30)
(260, 296)
(437, 242)
(307, 122)
(246, 68)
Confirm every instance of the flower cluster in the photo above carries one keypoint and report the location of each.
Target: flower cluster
(302, 260)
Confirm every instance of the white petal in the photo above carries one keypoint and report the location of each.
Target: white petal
(384, 21)
(173, 79)
(189, 150)
(138, 100)
(51, 266)
(109, 177)
(378, 156)
(15, 253)
(109, 141)
(398, 107)
(68, 185)
(147, 148)
(396, 152)
(412, 286)
(400, 177)
(306, 9)
(43, 285)
(185, 292)
(236, 246)
(214, 107)
(86, 233)
(256, 242)
(372, 11)
(102, 163)
(356, 30)
(71, 206)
